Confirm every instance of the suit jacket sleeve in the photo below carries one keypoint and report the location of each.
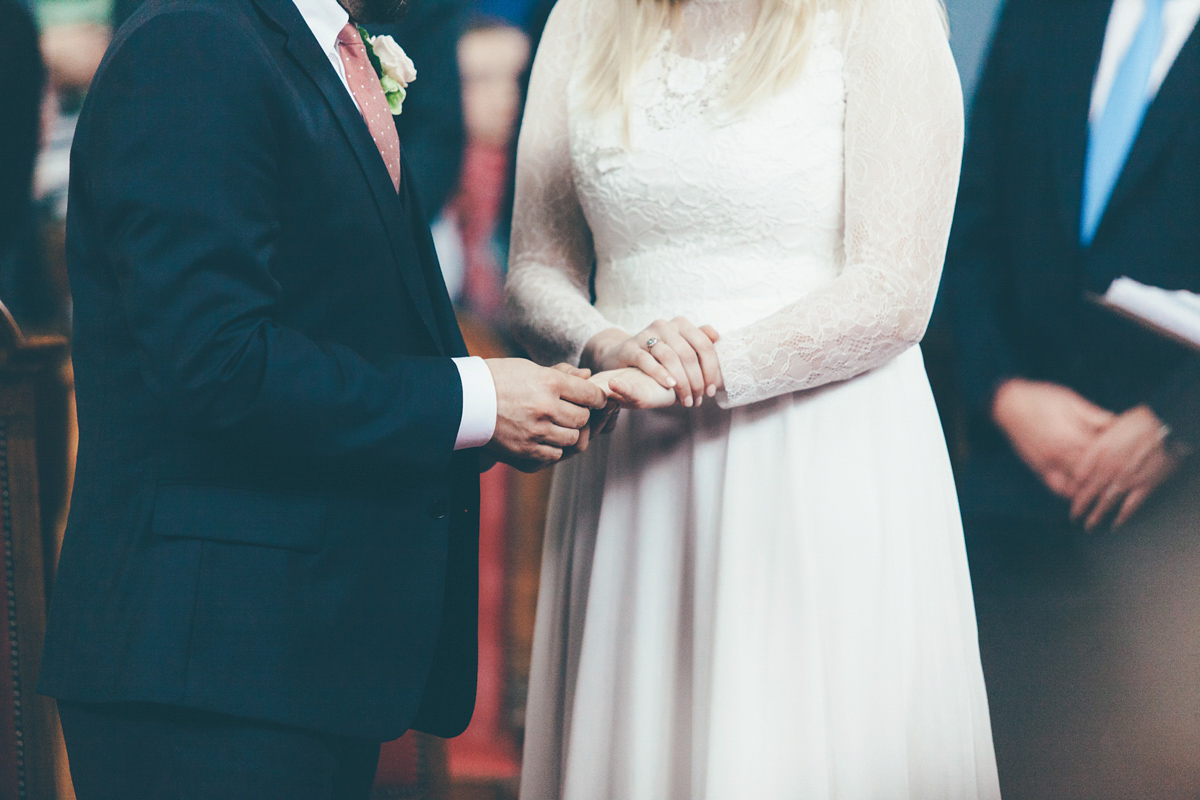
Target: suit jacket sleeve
(182, 161)
(431, 127)
(978, 289)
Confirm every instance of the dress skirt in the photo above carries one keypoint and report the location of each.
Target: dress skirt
(770, 602)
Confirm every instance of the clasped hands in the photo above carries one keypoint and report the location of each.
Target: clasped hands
(545, 414)
(668, 362)
(1103, 463)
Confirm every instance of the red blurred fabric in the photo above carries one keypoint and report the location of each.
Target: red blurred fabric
(477, 208)
(399, 764)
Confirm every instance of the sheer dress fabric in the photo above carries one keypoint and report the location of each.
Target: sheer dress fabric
(769, 598)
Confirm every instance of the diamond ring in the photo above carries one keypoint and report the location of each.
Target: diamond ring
(653, 340)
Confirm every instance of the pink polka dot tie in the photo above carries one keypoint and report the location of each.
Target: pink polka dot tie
(364, 85)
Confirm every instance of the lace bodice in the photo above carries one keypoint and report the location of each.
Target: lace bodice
(809, 229)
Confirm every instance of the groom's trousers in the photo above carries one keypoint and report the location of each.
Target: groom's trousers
(135, 751)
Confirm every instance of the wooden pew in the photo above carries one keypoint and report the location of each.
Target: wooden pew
(35, 464)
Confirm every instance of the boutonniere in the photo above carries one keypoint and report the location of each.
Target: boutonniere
(393, 66)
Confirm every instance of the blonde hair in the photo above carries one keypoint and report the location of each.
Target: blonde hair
(627, 31)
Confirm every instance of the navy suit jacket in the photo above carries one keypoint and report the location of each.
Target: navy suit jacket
(269, 518)
(1016, 274)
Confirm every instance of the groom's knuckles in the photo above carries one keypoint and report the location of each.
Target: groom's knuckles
(561, 437)
(572, 388)
(570, 415)
(545, 454)
(582, 393)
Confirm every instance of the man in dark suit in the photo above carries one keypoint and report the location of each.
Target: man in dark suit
(270, 564)
(1082, 165)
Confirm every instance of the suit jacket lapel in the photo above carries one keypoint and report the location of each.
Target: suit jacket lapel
(1174, 103)
(312, 59)
(1080, 31)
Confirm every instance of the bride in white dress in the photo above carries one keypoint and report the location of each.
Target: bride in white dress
(766, 596)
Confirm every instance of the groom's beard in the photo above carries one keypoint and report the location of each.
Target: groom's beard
(376, 11)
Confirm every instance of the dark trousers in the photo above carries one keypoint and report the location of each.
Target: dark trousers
(149, 752)
(1091, 652)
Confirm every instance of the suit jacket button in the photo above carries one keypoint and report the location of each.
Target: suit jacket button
(437, 509)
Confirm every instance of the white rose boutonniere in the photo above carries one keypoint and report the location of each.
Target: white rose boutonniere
(393, 66)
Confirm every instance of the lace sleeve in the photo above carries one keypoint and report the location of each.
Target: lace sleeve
(550, 263)
(903, 147)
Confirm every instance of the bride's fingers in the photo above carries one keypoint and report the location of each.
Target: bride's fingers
(690, 360)
(711, 333)
(648, 364)
(710, 368)
(669, 358)
(663, 353)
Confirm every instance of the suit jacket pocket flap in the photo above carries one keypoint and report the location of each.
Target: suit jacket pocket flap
(240, 516)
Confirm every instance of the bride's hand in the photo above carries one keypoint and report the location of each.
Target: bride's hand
(676, 354)
(633, 388)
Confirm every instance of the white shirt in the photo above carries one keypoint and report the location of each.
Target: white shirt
(1179, 18)
(325, 19)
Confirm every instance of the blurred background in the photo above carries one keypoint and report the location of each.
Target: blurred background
(458, 128)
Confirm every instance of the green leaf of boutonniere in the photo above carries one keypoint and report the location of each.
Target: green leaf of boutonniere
(395, 100)
(392, 90)
(366, 40)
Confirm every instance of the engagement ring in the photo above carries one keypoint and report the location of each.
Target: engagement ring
(653, 340)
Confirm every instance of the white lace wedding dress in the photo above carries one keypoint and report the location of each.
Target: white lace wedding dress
(766, 598)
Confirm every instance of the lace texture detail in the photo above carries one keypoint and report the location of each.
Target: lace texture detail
(810, 229)
(689, 86)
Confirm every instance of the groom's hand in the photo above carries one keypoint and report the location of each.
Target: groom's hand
(540, 412)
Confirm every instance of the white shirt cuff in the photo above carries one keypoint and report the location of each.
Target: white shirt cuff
(478, 422)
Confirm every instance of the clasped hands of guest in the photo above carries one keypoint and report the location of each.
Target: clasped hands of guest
(1103, 463)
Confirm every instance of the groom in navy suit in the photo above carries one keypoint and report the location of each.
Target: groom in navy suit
(270, 564)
